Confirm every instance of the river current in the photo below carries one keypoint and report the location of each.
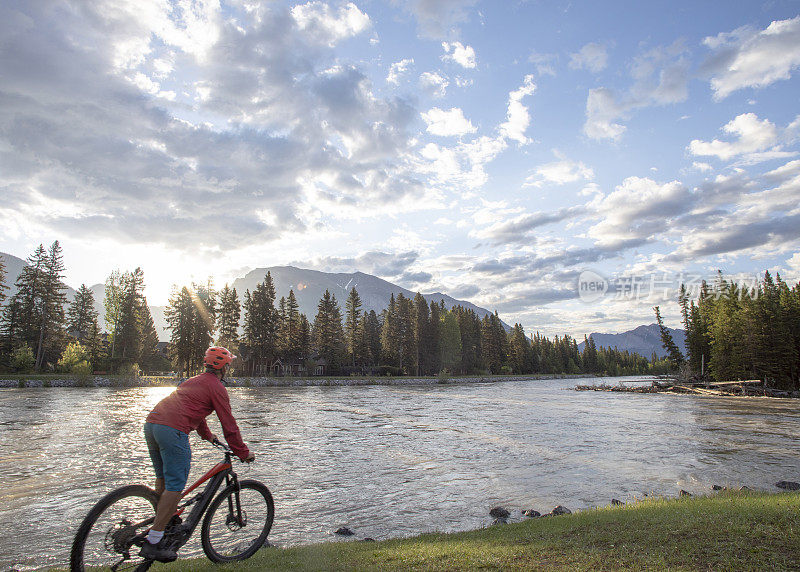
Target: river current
(390, 461)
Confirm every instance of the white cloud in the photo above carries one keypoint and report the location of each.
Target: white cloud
(448, 123)
(559, 173)
(602, 113)
(592, 57)
(660, 78)
(702, 167)
(518, 118)
(750, 58)
(461, 54)
(397, 69)
(545, 63)
(637, 210)
(752, 134)
(434, 84)
(439, 18)
(325, 25)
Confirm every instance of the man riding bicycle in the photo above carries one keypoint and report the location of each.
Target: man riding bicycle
(167, 434)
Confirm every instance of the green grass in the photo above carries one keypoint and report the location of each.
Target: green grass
(731, 531)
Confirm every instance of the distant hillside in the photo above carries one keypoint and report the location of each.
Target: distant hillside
(310, 285)
(643, 340)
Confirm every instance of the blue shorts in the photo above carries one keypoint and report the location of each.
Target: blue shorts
(170, 453)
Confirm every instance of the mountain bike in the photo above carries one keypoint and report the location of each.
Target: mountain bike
(236, 523)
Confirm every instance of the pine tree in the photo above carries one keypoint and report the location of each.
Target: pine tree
(261, 324)
(675, 355)
(180, 315)
(353, 327)
(149, 358)
(51, 332)
(519, 350)
(590, 364)
(328, 334)
(293, 334)
(204, 300)
(390, 353)
(3, 285)
(230, 313)
(112, 303)
(82, 316)
(371, 339)
(406, 342)
(434, 350)
(34, 316)
(423, 336)
(450, 342)
(128, 336)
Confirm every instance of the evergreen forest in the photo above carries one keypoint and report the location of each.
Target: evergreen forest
(40, 331)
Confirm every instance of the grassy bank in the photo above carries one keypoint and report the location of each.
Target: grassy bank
(731, 531)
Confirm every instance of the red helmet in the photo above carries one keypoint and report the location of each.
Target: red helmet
(218, 357)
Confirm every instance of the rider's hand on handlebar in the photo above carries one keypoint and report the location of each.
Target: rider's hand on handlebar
(250, 458)
(214, 439)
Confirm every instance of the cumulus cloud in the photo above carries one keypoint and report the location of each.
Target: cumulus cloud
(753, 58)
(327, 25)
(518, 118)
(516, 230)
(637, 210)
(545, 63)
(460, 54)
(447, 123)
(592, 57)
(85, 123)
(377, 262)
(756, 140)
(439, 19)
(434, 84)
(660, 78)
(398, 69)
(559, 173)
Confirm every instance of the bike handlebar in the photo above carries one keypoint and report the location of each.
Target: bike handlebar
(224, 446)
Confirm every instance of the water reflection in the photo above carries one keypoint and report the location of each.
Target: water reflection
(390, 461)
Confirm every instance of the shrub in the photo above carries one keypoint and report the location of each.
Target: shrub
(82, 368)
(22, 360)
(72, 356)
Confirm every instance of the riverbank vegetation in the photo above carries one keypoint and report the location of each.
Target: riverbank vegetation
(740, 332)
(41, 332)
(731, 531)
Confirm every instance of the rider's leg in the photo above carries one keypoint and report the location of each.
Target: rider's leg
(166, 508)
(159, 488)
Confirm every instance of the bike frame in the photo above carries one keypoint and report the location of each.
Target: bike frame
(222, 471)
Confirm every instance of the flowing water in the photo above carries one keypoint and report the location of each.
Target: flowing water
(389, 461)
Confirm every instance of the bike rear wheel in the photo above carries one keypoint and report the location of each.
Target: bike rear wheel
(105, 538)
(227, 536)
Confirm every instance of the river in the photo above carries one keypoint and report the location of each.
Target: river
(390, 461)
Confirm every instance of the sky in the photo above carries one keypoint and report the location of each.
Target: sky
(567, 164)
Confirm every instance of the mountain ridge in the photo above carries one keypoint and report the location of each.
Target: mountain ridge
(643, 340)
(308, 286)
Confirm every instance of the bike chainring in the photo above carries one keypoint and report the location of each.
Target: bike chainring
(119, 537)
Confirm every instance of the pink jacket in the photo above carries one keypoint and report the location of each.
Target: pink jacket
(186, 410)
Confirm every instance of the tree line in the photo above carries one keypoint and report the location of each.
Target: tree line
(734, 332)
(409, 337)
(40, 331)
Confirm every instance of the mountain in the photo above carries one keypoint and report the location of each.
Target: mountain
(310, 285)
(643, 340)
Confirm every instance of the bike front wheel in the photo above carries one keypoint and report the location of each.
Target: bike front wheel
(238, 522)
(106, 538)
